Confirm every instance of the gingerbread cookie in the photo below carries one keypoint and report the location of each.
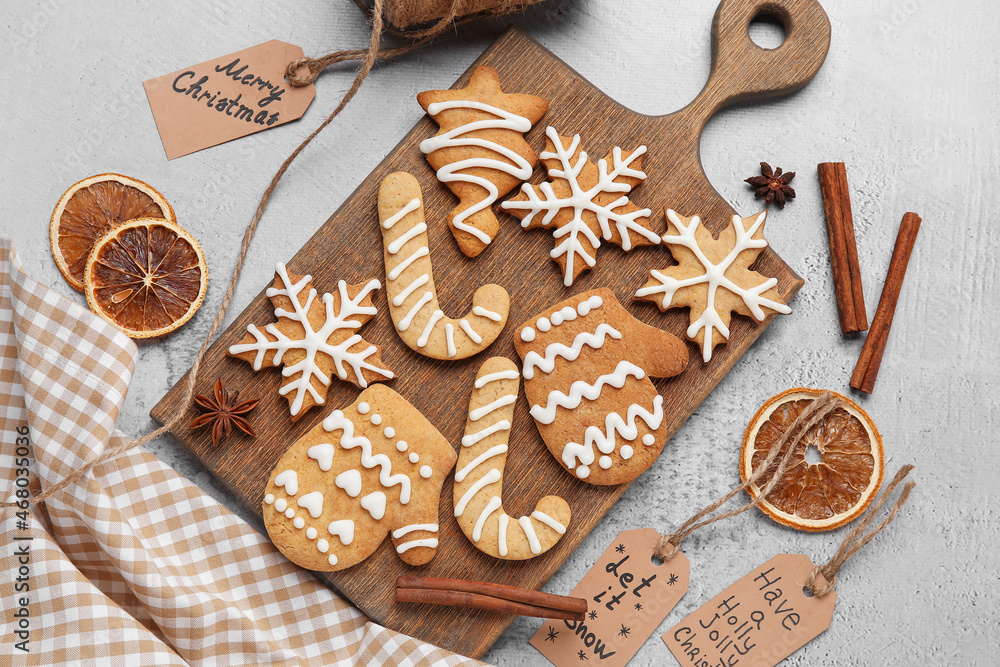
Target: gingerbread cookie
(480, 152)
(583, 203)
(713, 278)
(413, 301)
(479, 476)
(587, 364)
(314, 339)
(374, 468)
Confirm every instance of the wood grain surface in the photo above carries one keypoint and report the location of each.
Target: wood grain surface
(348, 247)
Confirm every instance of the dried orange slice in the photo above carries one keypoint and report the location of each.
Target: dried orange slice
(89, 209)
(147, 277)
(834, 472)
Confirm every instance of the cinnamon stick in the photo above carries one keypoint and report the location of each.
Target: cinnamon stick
(843, 247)
(489, 597)
(866, 370)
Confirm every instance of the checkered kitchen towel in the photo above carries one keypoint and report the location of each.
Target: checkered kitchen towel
(135, 565)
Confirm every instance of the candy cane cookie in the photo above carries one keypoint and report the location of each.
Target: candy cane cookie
(479, 474)
(413, 301)
(480, 153)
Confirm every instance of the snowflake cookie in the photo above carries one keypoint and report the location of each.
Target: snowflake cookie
(583, 203)
(479, 480)
(587, 364)
(373, 469)
(480, 152)
(314, 339)
(713, 277)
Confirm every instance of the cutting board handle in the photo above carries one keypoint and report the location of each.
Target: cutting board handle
(742, 70)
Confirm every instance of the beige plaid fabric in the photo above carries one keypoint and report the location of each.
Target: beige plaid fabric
(135, 565)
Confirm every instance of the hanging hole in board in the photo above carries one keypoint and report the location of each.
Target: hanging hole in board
(768, 29)
(805, 591)
(656, 560)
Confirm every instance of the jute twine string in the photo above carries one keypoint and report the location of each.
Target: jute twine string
(826, 403)
(854, 540)
(416, 37)
(368, 56)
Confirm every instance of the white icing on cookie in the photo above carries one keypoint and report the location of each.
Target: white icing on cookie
(514, 164)
(605, 441)
(426, 471)
(312, 533)
(580, 390)
(527, 334)
(343, 529)
(431, 542)
(547, 363)
(289, 480)
(502, 521)
(336, 421)
(549, 521)
(323, 455)
(474, 463)
(529, 532)
(473, 438)
(488, 314)
(312, 502)
(375, 504)
(280, 504)
(389, 432)
(406, 530)
(479, 413)
(349, 481)
(414, 457)
(489, 478)
(494, 377)
(492, 506)
(299, 522)
(269, 498)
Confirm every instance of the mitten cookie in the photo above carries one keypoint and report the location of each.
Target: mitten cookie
(583, 203)
(413, 301)
(480, 153)
(374, 468)
(479, 476)
(713, 277)
(314, 339)
(587, 364)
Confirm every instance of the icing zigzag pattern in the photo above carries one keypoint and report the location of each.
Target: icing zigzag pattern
(575, 454)
(580, 390)
(547, 363)
(413, 301)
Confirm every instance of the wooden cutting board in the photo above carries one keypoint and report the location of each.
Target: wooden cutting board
(348, 246)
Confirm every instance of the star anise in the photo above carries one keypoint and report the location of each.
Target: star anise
(772, 185)
(222, 412)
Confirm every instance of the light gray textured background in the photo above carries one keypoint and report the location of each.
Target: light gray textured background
(907, 97)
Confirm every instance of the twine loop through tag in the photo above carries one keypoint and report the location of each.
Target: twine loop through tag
(825, 404)
(854, 540)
